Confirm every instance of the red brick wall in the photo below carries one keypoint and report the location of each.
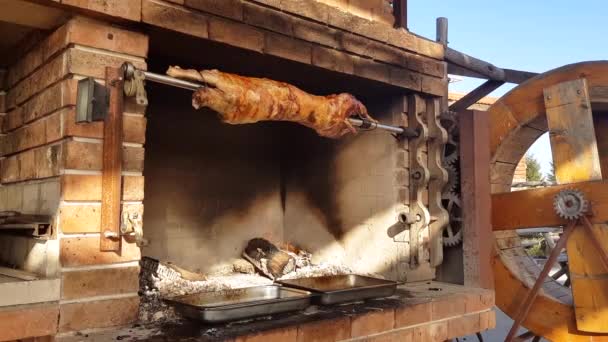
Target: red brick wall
(51, 165)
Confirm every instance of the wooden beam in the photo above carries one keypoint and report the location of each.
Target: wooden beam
(482, 67)
(534, 207)
(568, 112)
(400, 13)
(576, 159)
(475, 172)
(112, 164)
(475, 95)
(459, 67)
(518, 76)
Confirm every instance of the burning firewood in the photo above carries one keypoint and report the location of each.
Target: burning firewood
(241, 100)
(268, 258)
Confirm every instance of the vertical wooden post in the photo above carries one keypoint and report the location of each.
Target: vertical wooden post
(110, 239)
(475, 189)
(441, 31)
(577, 159)
(400, 13)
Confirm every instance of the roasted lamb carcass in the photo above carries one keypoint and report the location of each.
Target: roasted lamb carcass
(240, 100)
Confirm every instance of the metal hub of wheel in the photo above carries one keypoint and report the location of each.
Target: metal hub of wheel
(570, 204)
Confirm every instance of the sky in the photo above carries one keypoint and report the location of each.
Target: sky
(530, 35)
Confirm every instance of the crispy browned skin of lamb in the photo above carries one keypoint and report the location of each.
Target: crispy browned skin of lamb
(241, 100)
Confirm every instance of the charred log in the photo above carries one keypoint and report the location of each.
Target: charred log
(268, 258)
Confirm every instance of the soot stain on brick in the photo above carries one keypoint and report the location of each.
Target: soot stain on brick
(308, 160)
(213, 168)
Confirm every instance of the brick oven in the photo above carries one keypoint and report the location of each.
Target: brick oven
(211, 187)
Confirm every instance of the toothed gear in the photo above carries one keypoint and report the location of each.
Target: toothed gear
(570, 204)
(452, 234)
(449, 121)
(452, 184)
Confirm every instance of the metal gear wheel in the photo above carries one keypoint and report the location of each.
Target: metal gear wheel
(453, 176)
(449, 121)
(570, 204)
(452, 234)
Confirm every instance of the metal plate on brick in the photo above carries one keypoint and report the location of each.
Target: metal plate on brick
(343, 288)
(236, 304)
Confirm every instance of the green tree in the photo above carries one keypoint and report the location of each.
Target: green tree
(533, 173)
(551, 175)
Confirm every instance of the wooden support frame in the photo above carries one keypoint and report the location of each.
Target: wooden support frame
(576, 158)
(518, 216)
(400, 13)
(475, 173)
(110, 239)
(475, 95)
(462, 64)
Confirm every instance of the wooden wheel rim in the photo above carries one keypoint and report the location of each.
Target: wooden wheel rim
(516, 121)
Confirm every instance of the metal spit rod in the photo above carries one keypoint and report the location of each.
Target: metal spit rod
(176, 82)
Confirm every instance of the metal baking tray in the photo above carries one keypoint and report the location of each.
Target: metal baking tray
(343, 288)
(233, 305)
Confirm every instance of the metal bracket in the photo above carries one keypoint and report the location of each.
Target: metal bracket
(92, 101)
(438, 137)
(419, 179)
(131, 225)
(134, 84)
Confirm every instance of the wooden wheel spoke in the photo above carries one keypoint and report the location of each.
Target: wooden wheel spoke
(517, 120)
(534, 207)
(576, 159)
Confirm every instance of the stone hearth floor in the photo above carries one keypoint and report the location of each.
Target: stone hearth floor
(418, 311)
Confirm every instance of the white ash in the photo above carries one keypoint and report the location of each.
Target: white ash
(176, 287)
(159, 281)
(322, 269)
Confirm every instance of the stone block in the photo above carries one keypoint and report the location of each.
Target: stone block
(85, 218)
(226, 8)
(447, 306)
(99, 282)
(127, 9)
(288, 48)
(316, 33)
(27, 321)
(88, 188)
(236, 34)
(98, 314)
(368, 68)
(267, 18)
(175, 18)
(80, 251)
(412, 314)
(79, 155)
(289, 334)
(325, 331)
(372, 323)
(333, 60)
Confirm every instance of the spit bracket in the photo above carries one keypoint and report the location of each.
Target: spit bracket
(134, 86)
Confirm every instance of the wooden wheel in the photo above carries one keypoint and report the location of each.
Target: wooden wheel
(517, 120)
